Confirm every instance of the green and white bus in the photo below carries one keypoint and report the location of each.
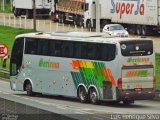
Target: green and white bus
(89, 66)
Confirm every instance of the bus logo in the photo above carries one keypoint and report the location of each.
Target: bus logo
(3, 50)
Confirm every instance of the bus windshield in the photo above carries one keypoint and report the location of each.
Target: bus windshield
(136, 48)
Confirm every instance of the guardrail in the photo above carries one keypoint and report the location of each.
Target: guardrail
(4, 73)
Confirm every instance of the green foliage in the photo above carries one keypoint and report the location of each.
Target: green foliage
(7, 36)
(158, 70)
(7, 8)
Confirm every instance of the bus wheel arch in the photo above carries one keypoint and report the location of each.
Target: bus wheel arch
(93, 95)
(28, 87)
(82, 93)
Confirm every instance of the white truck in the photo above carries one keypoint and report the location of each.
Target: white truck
(141, 17)
(79, 12)
(25, 7)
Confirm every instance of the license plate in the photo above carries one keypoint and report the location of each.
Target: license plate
(138, 89)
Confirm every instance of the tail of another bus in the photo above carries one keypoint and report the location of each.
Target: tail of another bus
(137, 79)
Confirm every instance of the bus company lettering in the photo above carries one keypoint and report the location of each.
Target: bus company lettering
(138, 60)
(140, 73)
(127, 7)
(48, 64)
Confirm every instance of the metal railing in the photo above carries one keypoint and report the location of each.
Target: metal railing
(44, 25)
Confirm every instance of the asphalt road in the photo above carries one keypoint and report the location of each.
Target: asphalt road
(70, 104)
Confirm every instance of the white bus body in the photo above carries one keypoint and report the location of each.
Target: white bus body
(84, 65)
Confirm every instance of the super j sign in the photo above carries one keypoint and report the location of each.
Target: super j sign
(127, 7)
(3, 50)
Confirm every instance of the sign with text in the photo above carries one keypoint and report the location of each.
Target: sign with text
(3, 50)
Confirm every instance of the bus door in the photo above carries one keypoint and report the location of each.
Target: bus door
(137, 65)
(16, 61)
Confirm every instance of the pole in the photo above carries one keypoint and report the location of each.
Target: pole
(97, 16)
(34, 16)
(3, 6)
(11, 4)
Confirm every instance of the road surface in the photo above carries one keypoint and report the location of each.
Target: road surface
(73, 105)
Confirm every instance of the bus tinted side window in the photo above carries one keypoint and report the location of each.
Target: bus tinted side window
(42, 47)
(94, 51)
(80, 50)
(58, 49)
(67, 49)
(108, 52)
(31, 46)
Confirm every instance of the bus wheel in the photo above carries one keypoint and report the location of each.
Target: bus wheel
(128, 102)
(28, 88)
(82, 94)
(93, 96)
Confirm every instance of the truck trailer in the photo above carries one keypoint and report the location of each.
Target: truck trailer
(141, 17)
(79, 12)
(25, 7)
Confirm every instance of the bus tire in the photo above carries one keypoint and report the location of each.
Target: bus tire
(93, 96)
(82, 94)
(28, 88)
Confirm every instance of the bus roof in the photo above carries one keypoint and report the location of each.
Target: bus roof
(80, 36)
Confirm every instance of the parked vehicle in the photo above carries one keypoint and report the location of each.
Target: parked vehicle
(25, 7)
(141, 17)
(116, 30)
